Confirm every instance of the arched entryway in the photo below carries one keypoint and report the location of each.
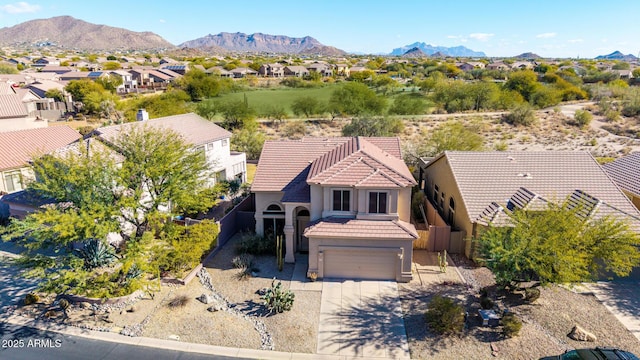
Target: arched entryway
(301, 223)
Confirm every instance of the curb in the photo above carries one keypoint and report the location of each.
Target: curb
(165, 344)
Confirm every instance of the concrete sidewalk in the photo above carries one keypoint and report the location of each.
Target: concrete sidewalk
(360, 318)
(622, 299)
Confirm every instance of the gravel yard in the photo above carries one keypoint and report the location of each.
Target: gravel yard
(546, 322)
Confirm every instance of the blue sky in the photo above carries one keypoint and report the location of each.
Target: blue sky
(560, 28)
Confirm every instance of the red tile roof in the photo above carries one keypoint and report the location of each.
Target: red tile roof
(625, 172)
(18, 147)
(361, 229)
(194, 129)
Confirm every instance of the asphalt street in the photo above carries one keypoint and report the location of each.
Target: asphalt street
(25, 343)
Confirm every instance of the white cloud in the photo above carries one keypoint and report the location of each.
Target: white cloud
(575, 41)
(163, 21)
(546, 35)
(481, 36)
(20, 8)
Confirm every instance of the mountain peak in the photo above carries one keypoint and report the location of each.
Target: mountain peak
(259, 42)
(69, 32)
(443, 50)
(617, 55)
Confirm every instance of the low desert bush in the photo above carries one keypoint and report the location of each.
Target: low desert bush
(179, 301)
(486, 303)
(444, 316)
(256, 245)
(31, 299)
(511, 325)
(531, 294)
(583, 118)
(521, 115)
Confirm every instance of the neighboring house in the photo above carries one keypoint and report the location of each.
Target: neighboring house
(128, 83)
(342, 70)
(205, 136)
(472, 189)
(56, 69)
(46, 61)
(498, 66)
(345, 201)
(295, 70)
(17, 148)
(625, 172)
(271, 70)
(322, 68)
(219, 71)
(14, 114)
(180, 69)
(243, 72)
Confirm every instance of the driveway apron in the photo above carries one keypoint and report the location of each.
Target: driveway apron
(361, 319)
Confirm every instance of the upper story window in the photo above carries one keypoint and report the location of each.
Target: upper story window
(377, 202)
(224, 142)
(341, 200)
(13, 181)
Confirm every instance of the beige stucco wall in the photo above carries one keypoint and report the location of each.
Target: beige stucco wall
(263, 200)
(439, 173)
(405, 247)
(21, 124)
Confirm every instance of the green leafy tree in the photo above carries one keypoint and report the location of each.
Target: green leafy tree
(200, 85)
(373, 126)
(356, 99)
(452, 135)
(172, 102)
(110, 82)
(248, 140)
(8, 69)
(525, 82)
(408, 104)
(111, 65)
(306, 105)
(55, 94)
(556, 245)
(237, 114)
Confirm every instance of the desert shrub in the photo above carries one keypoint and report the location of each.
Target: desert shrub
(179, 301)
(188, 245)
(511, 325)
(294, 129)
(531, 294)
(612, 115)
(521, 115)
(444, 316)
(96, 253)
(64, 304)
(583, 118)
(256, 245)
(243, 261)
(486, 303)
(31, 298)
(278, 300)
(501, 146)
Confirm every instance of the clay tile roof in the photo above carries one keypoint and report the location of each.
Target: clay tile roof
(194, 129)
(625, 172)
(361, 229)
(18, 147)
(494, 176)
(355, 162)
(11, 106)
(286, 166)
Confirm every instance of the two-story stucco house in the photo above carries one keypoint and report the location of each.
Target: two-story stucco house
(345, 201)
(205, 136)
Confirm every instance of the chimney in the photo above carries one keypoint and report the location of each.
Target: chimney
(142, 115)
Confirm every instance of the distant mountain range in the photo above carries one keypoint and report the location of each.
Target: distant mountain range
(258, 42)
(430, 50)
(69, 32)
(617, 55)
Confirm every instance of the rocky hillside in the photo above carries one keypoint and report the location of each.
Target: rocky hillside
(430, 50)
(617, 55)
(258, 42)
(69, 32)
(414, 53)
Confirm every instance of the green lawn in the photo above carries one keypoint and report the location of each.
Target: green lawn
(263, 99)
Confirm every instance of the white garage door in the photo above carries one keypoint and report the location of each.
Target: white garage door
(360, 264)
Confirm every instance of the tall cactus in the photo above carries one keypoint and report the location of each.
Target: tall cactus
(279, 252)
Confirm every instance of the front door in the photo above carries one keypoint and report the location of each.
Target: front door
(302, 241)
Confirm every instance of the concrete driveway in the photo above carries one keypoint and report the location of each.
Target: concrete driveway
(360, 318)
(622, 299)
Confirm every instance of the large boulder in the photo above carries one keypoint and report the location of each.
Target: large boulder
(580, 334)
(205, 298)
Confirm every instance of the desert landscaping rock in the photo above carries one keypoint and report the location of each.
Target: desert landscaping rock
(579, 334)
(205, 298)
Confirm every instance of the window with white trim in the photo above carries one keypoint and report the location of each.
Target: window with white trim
(13, 181)
(377, 202)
